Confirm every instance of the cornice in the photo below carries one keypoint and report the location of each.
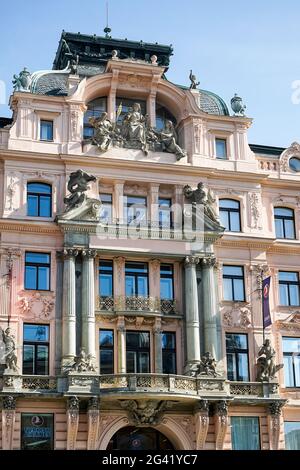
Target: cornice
(268, 244)
(9, 225)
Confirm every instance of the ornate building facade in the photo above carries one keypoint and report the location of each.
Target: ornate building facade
(136, 227)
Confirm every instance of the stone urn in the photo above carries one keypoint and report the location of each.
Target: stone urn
(237, 105)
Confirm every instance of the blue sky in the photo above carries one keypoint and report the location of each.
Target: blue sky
(252, 48)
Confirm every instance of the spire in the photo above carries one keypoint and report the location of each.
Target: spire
(107, 29)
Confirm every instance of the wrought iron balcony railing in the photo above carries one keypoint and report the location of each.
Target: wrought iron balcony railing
(136, 304)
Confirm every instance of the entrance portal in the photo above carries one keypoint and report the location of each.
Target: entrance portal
(131, 438)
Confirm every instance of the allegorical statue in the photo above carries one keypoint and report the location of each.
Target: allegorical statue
(22, 81)
(266, 367)
(168, 139)
(103, 131)
(134, 128)
(200, 196)
(77, 185)
(83, 362)
(207, 366)
(9, 353)
(193, 80)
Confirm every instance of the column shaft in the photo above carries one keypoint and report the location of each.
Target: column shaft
(158, 347)
(121, 346)
(192, 311)
(209, 307)
(88, 303)
(69, 306)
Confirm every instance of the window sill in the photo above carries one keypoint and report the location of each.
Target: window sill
(40, 291)
(39, 218)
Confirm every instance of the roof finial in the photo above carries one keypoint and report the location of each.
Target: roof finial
(107, 29)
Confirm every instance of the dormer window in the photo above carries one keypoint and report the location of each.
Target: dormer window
(46, 130)
(221, 149)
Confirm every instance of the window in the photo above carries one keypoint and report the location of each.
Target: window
(106, 208)
(169, 353)
(288, 288)
(136, 279)
(233, 283)
(237, 356)
(36, 349)
(127, 105)
(230, 214)
(106, 278)
(245, 433)
(291, 360)
(135, 210)
(284, 222)
(39, 200)
(106, 340)
(163, 115)
(95, 109)
(137, 352)
(37, 431)
(46, 130)
(292, 435)
(166, 282)
(37, 271)
(221, 149)
(164, 213)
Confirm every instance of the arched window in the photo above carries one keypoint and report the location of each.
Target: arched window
(39, 200)
(95, 109)
(230, 216)
(284, 222)
(163, 115)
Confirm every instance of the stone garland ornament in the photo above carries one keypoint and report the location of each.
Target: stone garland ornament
(134, 132)
(266, 367)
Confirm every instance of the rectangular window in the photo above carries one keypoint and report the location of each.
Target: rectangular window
(164, 213)
(289, 288)
(292, 435)
(230, 215)
(35, 349)
(233, 283)
(291, 360)
(135, 210)
(37, 431)
(46, 130)
(39, 200)
(106, 278)
(245, 433)
(169, 353)
(284, 222)
(237, 356)
(106, 343)
(37, 271)
(137, 352)
(136, 279)
(106, 208)
(166, 282)
(221, 149)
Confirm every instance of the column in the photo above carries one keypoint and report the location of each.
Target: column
(8, 421)
(209, 307)
(69, 307)
(88, 303)
(158, 346)
(191, 311)
(121, 345)
(58, 311)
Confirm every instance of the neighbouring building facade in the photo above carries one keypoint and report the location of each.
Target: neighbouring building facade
(136, 227)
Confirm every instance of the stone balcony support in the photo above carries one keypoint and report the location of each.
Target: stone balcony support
(93, 423)
(69, 308)
(192, 312)
(72, 422)
(8, 421)
(88, 303)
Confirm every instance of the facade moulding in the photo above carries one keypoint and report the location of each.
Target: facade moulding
(28, 226)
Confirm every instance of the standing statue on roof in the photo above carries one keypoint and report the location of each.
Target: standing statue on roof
(194, 82)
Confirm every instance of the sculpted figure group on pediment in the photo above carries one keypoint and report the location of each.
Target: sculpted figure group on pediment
(134, 131)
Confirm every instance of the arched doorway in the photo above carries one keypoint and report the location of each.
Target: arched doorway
(132, 438)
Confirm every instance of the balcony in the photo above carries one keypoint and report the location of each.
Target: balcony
(136, 304)
(121, 385)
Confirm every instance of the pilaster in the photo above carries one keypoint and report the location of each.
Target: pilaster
(121, 345)
(93, 423)
(69, 308)
(8, 421)
(157, 331)
(72, 422)
(201, 423)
